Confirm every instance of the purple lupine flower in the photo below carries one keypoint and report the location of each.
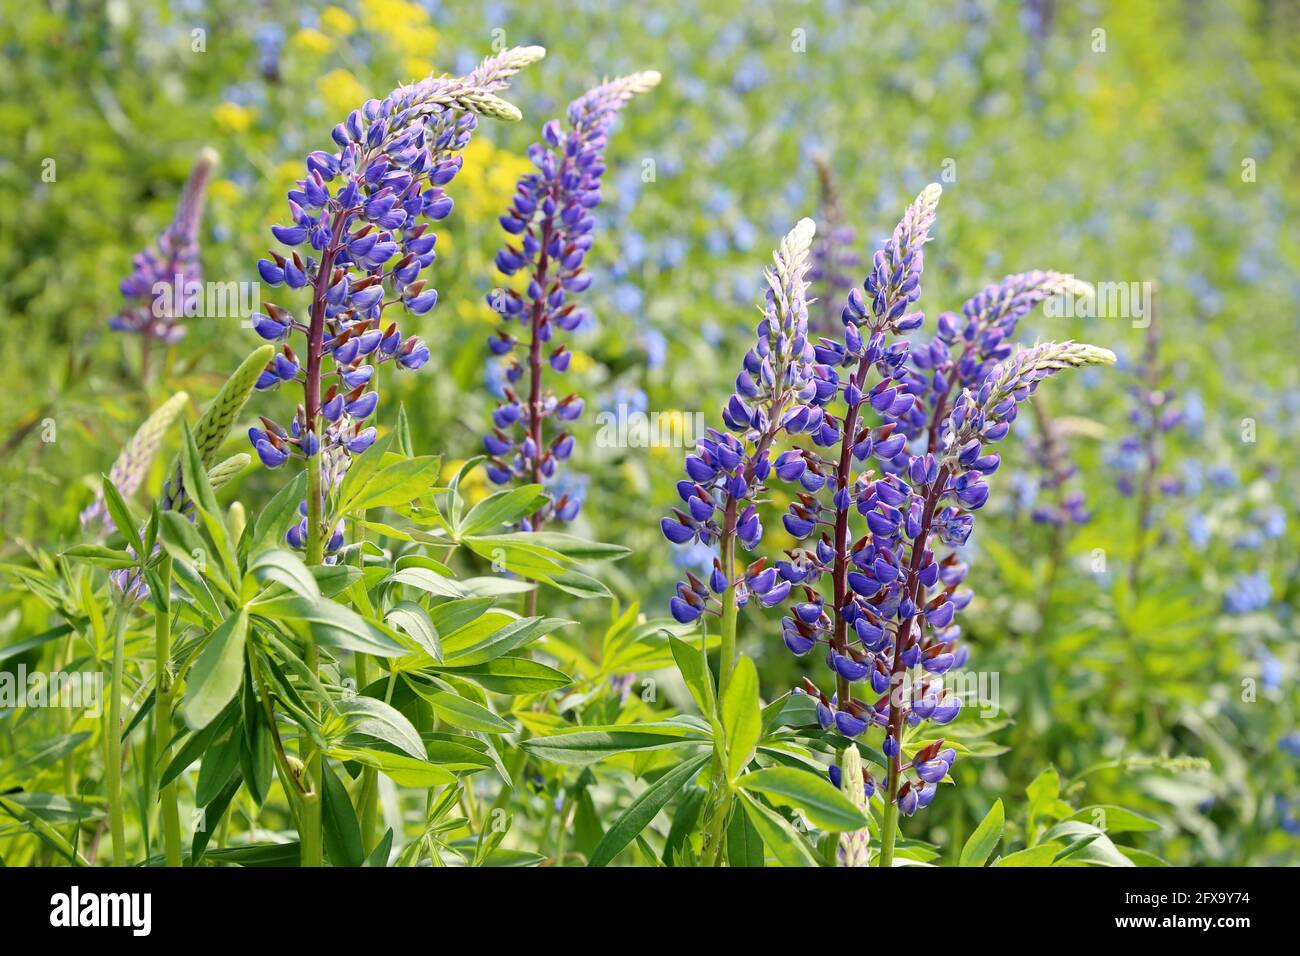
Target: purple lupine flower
(1247, 593)
(968, 345)
(1139, 457)
(551, 216)
(165, 278)
(892, 611)
(777, 391)
(365, 210)
(1060, 505)
(835, 261)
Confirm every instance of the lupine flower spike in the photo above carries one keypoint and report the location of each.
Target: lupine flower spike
(834, 259)
(779, 390)
(165, 278)
(551, 216)
(1060, 504)
(365, 210)
(890, 613)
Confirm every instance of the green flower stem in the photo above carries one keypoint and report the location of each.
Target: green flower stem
(727, 648)
(368, 794)
(164, 700)
(716, 828)
(888, 833)
(113, 740)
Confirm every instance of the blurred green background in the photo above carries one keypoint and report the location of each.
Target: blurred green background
(1123, 142)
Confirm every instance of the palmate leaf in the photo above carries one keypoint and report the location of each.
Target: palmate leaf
(386, 479)
(824, 805)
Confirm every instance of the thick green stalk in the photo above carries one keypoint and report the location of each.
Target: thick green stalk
(727, 648)
(368, 795)
(717, 827)
(888, 833)
(113, 740)
(310, 822)
(164, 699)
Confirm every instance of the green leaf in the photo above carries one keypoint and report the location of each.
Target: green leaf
(741, 717)
(1097, 849)
(216, 676)
(402, 769)
(450, 616)
(1113, 819)
(22, 647)
(744, 844)
(403, 432)
(513, 675)
(566, 546)
(985, 839)
(56, 808)
(789, 848)
(380, 854)
(124, 521)
(366, 715)
(342, 832)
(463, 713)
(578, 584)
(209, 514)
(1041, 855)
(220, 765)
(502, 507)
(100, 556)
(429, 581)
(455, 503)
(695, 672)
(515, 634)
(280, 512)
(824, 805)
(288, 569)
(644, 809)
(398, 482)
(591, 744)
(414, 621)
(332, 625)
(195, 746)
(44, 831)
(212, 814)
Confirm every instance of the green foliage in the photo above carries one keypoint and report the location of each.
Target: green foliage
(524, 693)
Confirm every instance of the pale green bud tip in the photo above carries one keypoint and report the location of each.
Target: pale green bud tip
(524, 55)
(929, 196)
(645, 80)
(801, 236)
(207, 158)
(498, 108)
(851, 774)
(1080, 354)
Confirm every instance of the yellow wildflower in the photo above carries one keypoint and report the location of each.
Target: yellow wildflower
(312, 41)
(233, 118)
(337, 21)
